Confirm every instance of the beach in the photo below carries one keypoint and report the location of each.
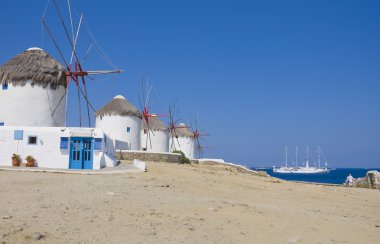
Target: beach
(174, 203)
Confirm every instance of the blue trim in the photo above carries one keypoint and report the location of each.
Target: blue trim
(98, 144)
(5, 86)
(18, 135)
(64, 144)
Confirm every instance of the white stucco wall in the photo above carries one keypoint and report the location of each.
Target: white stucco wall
(184, 144)
(160, 141)
(32, 106)
(47, 152)
(115, 127)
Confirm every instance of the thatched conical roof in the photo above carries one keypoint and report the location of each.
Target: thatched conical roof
(155, 124)
(118, 106)
(34, 65)
(183, 132)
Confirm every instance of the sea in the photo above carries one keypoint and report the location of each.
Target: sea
(336, 176)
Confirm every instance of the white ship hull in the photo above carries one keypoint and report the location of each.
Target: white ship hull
(301, 170)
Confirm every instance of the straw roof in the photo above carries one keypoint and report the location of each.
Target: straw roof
(119, 106)
(155, 124)
(183, 132)
(34, 65)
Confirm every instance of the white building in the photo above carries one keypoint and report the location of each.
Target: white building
(55, 147)
(32, 91)
(32, 118)
(158, 140)
(183, 140)
(121, 122)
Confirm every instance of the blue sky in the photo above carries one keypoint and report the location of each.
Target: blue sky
(261, 74)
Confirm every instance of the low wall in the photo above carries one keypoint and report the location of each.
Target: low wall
(239, 168)
(149, 156)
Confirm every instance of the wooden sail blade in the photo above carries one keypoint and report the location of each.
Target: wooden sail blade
(65, 29)
(140, 103)
(104, 72)
(76, 37)
(87, 102)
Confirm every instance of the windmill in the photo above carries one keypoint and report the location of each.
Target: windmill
(146, 111)
(73, 70)
(198, 136)
(173, 127)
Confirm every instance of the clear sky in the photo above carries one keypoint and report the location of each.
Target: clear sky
(261, 74)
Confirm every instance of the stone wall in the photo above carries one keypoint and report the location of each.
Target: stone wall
(238, 168)
(149, 156)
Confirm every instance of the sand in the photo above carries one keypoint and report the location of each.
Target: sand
(182, 204)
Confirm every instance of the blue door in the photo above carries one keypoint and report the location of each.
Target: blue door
(81, 153)
(87, 153)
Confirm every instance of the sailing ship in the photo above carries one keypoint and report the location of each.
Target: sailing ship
(307, 169)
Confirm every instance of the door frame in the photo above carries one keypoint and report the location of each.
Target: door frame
(82, 153)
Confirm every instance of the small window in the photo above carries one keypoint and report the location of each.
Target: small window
(128, 129)
(32, 140)
(64, 143)
(18, 135)
(98, 144)
(1, 123)
(5, 86)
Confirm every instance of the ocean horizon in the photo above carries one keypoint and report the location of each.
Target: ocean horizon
(336, 175)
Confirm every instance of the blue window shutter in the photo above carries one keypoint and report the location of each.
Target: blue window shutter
(18, 135)
(64, 143)
(98, 144)
(128, 129)
(5, 86)
(2, 124)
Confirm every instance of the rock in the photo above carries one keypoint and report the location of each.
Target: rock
(7, 216)
(361, 183)
(371, 180)
(262, 173)
(37, 236)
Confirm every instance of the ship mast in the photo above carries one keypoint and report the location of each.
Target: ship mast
(286, 156)
(319, 157)
(307, 157)
(296, 156)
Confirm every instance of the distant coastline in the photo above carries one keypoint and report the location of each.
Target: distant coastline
(337, 176)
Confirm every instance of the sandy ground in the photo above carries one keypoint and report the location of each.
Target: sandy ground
(182, 204)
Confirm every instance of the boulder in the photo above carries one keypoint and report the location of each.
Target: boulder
(361, 183)
(371, 180)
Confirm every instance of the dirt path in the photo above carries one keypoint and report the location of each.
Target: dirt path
(182, 204)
